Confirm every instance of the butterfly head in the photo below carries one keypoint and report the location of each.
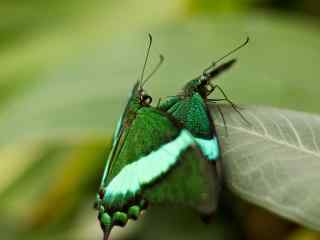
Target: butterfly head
(203, 84)
(138, 98)
(200, 85)
(144, 98)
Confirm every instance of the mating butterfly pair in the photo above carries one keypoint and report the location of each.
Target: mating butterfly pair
(167, 153)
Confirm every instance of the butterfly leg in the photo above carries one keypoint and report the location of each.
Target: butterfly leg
(233, 105)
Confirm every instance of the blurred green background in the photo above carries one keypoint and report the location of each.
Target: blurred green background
(67, 68)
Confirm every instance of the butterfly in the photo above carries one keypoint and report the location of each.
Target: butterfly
(154, 159)
(190, 108)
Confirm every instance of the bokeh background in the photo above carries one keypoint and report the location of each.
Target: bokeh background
(66, 69)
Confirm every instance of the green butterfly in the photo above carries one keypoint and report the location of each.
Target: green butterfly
(155, 160)
(190, 107)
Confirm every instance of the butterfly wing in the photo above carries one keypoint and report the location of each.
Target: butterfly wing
(192, 182)
(154, 163)
(192, 112)
(120, 132)
(138, 157)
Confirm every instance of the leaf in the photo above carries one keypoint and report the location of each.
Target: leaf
(274, 162)
(69, 175)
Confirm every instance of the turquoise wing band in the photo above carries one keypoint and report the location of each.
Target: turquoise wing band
(209, 147)
(147, 169)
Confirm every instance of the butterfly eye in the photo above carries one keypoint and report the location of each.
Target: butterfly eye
(203, 78)
(145, 100)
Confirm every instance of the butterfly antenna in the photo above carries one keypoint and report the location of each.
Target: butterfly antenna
(154, 70)
(146, 58)
(228, 54)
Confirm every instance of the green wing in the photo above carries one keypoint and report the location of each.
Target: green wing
(192, 112)
(192, 182)
(157, 153)
(148, 132)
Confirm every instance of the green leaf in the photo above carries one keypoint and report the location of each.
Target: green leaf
(275, 162)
